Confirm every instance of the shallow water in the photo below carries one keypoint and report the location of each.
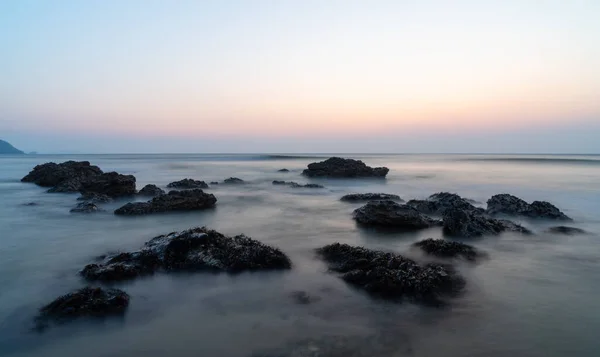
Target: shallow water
(534, 296)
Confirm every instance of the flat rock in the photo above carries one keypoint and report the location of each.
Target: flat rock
(461, 223)
(514, 206)
(187, 184)
(297, 185)
(95, 197)
(439, 202)
(340, 167)
(391, 275)
(151, 191)
(283, 170)
(196, 249)
(52, 174)
(111, 184)
(364, 197)
(233, 181)
(566, 230)
(188, 200)
(85, 207)
(391, 214)
(448, 249)
(96, 302)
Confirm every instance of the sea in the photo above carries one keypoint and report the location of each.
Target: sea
(534, 296)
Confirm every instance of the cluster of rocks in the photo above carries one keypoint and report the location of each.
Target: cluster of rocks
(365, 197)
(461, 223)
(339, 167)
(297, 185)
(187, 183)
(392, 276)
(514, 206)
(448, 249)
(187, 200)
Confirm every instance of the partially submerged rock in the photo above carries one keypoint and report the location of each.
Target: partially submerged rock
(566, 230)
(391, 214)
(196, 249)
(512, 205)
(188, 200)
(392, 276)
(52, 174)
(85, 207)
(439, 202)
(214, 183)
(233, 181)
(364, 197)
(112, 184)
(461, 223)
(95, 197)
(339, 167)
(96, 302)
(283, 170)
(297, 185)
(303, 298)
(151, 191)
(448, 249)
(187, 184)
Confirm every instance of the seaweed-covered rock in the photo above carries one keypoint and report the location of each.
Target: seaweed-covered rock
(566, 230)
(364, 197)
(52, 174)
(391, 275)
(85, 207)
(439, 202)
(461, 223)
(195, 249)
(339, 167)
(233, 181)
(188, 200)
(112, 184)
(297, 185)
(187, 184)
(448, 249)
(96, 302)
(391, 214)
(512, 205)
(94, 197)
(151, 191)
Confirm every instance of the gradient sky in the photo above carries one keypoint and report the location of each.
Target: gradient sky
(300, 76)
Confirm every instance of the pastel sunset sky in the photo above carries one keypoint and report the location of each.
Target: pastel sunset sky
(300, 76)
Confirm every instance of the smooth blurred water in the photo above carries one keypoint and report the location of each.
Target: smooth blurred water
(535, 295)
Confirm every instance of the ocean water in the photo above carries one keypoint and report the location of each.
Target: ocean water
(535, 295)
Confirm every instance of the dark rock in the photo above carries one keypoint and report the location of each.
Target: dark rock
(70, 185)
(195, 249)
(30, 204)
(214, 183)
(461, 223)
(283, 170)
(448, 249)
(303, 298)
(187, 184)
(51, 174)
(111, 184)
(566, 230)
(233, 181)
(362, 197)
(339, 167)
(96, 302)
(85, 207)
(512, 205)
(439, 202)
(151, 191)
(391, 214)
(297, 185)
(94, 197)
(188, 200)
(391, 275)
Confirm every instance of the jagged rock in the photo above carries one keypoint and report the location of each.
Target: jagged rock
(512, 205)
(111, 184)
(448, 249)
(94, 197)
(188, 200)
(96, 302)
(187, 184)
(151, 191)
(339, 167)
(391, 214)
(195, 249)
(85, 207)
(233, 181)
(52, 174)
(70, 185)
(463, 223)
(391, 275)
(283, 170)
(362, 197)
(297, 185)
(439, 202)
(566, 230)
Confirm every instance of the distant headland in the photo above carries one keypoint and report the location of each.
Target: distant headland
(7, 148)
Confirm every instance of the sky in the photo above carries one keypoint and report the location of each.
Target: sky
(108, 76)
